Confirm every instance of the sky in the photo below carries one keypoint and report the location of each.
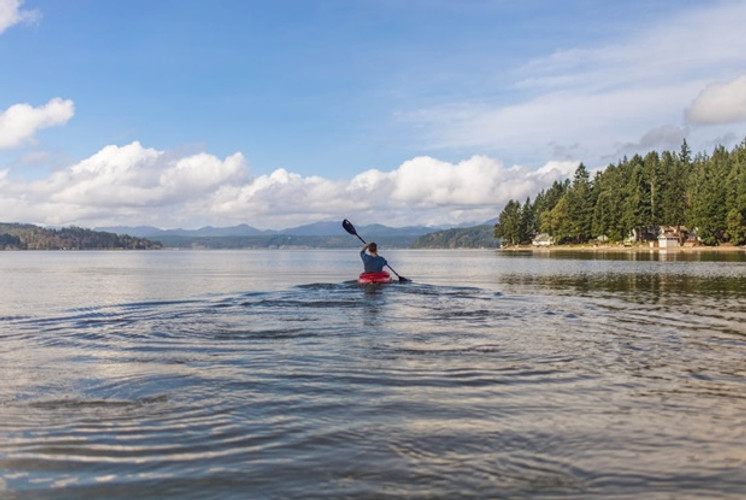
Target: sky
(278, 113)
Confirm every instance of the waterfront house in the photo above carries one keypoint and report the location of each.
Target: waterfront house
(542, 240)
(671, 236)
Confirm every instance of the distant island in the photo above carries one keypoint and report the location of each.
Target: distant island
(30, 237)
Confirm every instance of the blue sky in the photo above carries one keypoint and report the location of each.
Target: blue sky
(185, 113)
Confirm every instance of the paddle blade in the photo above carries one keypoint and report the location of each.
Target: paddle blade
(402, 279)
(349, 227)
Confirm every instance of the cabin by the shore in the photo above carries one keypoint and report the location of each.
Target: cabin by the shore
(672, 236)
(542, 240)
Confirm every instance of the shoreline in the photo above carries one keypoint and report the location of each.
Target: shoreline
(621, 249)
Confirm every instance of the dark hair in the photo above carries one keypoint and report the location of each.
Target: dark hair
(372, 247)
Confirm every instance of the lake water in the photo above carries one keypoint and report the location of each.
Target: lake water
(272, 374)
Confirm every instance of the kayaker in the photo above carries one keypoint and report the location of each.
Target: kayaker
(373, 262)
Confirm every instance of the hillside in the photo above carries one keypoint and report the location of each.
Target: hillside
(280, 241)
(324, 228)
(326, 234)
(469, 237)
(14, 236)
(30, 237)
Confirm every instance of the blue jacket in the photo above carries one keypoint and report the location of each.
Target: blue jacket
(372, 264)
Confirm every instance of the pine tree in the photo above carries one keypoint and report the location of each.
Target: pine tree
(509, 222)
(607, 210)
(707, 191)
(736, 196)
(526, 230)
(546, 201)
(673, 198)
(655, 186)
(580, 206)
(635, 214)
(685, 154)
(557, 222)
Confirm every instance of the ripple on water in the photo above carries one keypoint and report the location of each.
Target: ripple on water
(410, 390)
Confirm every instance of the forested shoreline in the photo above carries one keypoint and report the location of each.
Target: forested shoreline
(30, 237)
(469, 237)
(636, 196)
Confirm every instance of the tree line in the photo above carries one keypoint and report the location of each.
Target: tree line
(705, 193)
(468, 237)
(30, 237)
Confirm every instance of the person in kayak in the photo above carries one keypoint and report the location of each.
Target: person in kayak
(372, 262)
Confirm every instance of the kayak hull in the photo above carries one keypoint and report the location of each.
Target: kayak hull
(374, 278)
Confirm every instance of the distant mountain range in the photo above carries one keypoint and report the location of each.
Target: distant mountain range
(324, 234)
(328, 234)
(327, 228)
(154, 232)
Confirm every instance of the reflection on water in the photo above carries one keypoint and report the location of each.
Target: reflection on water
(656, 286)
(674, 255)
(490, 376)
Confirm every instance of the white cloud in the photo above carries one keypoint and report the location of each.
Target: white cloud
(11, 14)
(135, 185)
(477, 182)
(20, 122)
(128, 183)
(133, 176)
(720, 103)
(590, 100)
(423, 190)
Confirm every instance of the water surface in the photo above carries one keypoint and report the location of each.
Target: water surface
(254, 374)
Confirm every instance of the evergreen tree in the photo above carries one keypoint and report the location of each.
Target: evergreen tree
(655, 186)
(580, 206)
(546, 201)
(636, 206)
(685, 154)
(736, 222)
(557, 222)
(508, 224)
(707, 210)
(736, 195)
(674, 198)
(526, 229)
(607, 210)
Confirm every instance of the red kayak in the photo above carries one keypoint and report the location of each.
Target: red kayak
(374, 278)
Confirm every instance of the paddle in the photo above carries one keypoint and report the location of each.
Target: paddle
(351, 229)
